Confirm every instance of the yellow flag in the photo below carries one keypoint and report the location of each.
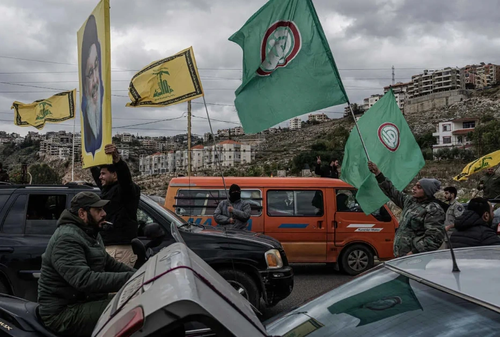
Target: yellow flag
(55, 109)
(172, 80)
(487, 161)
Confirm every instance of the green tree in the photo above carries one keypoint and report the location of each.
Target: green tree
(44, 174)
(486, 137)
(426, 140)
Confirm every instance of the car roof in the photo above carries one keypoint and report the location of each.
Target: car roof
(475, 263)
(246, 182)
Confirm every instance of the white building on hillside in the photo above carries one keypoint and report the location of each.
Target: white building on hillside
(454, 133)
(295, 123)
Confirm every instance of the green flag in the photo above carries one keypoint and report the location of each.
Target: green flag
(386, 300)
(288, 67)
(390, 145)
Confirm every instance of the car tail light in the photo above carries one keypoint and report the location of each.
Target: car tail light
(498, 228)
(131, 322)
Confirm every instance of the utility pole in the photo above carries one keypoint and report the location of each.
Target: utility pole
(393, 75)
(189, 138)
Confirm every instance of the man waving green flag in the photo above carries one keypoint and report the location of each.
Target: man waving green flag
(390, 144)
(288, 67)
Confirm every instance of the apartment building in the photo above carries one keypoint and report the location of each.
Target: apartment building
(480, 76)
(400, 91)
(318, 118)
(228, 153)
(454, 133)
(295, 123)
(433, 81)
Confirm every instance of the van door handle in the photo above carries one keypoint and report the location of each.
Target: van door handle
(320, 224)
(334, 224)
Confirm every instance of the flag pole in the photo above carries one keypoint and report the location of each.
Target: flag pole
(73, 153)
(359, 132)
(189, 137)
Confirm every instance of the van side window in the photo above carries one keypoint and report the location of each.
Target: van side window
(346, 202)
(295, 203)
(194, 202)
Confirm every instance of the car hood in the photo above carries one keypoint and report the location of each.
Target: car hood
(256, 238)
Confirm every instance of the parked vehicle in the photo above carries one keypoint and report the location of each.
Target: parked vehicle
(317, 220)
(256, 265)
(417, 295)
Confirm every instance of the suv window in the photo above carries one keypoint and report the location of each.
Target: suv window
(3, 200)
(14, 222)
(43, 212)
(295, 203)
(144, 218)
(204, 202)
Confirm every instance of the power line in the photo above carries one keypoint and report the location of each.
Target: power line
(146, 123)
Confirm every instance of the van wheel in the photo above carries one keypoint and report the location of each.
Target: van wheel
(357, 259)
(244, 284)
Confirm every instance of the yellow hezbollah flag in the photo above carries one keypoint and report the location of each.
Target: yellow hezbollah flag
(94, 70)
(55, 109)
(477, 165)
(172, 80)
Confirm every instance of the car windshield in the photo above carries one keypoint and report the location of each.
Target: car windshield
(167, 213)
(385, 303)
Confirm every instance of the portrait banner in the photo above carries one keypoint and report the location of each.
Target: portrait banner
(172, 80)
(54, 109)
(94, 68)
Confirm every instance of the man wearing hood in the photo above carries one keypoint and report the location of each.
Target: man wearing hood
(473, 227)
(421, 228)
(233, 212)
(77, 274)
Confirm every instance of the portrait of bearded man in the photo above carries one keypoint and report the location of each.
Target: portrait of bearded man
(92, 87)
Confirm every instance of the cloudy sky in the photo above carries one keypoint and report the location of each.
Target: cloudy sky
(367, 37)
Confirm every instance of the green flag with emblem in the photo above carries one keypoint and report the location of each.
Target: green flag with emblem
(390, 144)
(288, 67)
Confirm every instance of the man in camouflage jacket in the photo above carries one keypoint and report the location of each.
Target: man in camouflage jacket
(421, 228)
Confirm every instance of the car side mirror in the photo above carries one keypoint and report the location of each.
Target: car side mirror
(155, 233)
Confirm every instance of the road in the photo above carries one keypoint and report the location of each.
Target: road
(311, 280)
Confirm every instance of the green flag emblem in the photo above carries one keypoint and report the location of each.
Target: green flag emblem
(288, 67)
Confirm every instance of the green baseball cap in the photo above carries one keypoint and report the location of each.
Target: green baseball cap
(87, 199)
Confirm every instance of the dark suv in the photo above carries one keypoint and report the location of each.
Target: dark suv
(254, 264)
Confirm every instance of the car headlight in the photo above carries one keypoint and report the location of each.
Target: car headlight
(273, 259)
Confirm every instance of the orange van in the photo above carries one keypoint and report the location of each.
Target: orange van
(317, 220)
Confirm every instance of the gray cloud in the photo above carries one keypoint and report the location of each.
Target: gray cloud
(366, 37)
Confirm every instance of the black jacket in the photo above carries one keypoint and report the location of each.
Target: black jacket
(471, 231)
(121, 210)
(327, 171)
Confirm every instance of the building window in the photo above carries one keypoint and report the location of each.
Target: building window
(469, 125)
(446, 127)
(446, 140)
(459, 139)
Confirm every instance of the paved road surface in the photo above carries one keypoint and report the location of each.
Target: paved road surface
(311, 280)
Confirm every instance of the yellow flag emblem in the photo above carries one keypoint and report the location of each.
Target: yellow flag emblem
(172, 80)
(55, 109)
(489, 160)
